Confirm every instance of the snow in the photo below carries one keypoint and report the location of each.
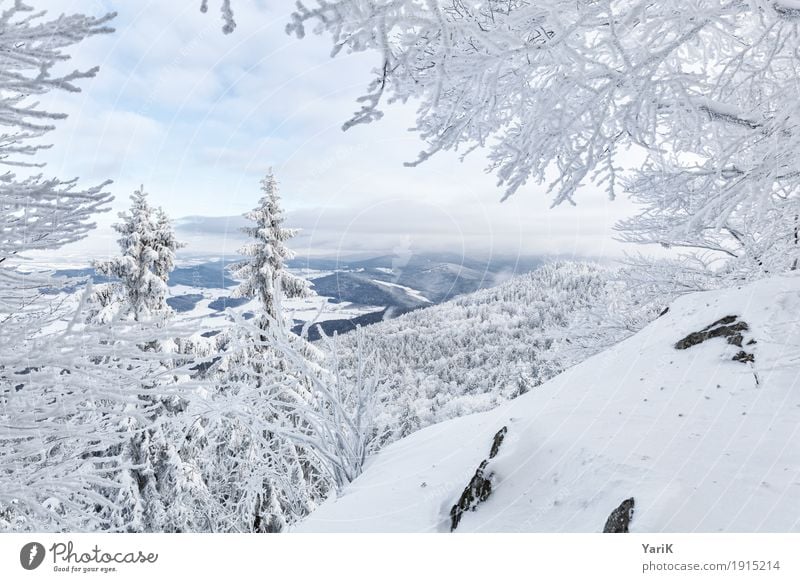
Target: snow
(690, 434)
(413, 293)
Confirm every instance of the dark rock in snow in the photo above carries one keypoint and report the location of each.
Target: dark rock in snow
(728, 327)
(480, 486)
(478, 491)
(497, 442)
(620, 518)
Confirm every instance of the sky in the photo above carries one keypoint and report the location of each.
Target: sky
(198, 117)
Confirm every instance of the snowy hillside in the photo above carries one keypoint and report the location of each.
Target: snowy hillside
(703, 438)
(478, 350)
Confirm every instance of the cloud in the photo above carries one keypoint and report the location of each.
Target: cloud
(199, 117)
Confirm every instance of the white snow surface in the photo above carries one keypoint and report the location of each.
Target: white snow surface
(690, 434)
(413, 293)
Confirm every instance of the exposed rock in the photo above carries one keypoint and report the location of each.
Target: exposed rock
(478, 491)
(730, 327)
(620, 518)
(480, 486)
(727, 327)
(744, 357)
(497, 441)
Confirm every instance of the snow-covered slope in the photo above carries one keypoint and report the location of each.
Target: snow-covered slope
(702, 442)
(476, 351)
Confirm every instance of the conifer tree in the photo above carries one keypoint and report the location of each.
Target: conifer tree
(149, 488)
(263, 273)
(259, 480)
(148, 244)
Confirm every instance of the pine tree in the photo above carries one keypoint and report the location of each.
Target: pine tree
(150, 486)
(148, 244)
(259, 480)
(264, 274)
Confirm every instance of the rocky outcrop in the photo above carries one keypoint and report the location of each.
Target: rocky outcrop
(480, 486)
(730, 327)
(497, 441)
(620, 518)
(744, 357)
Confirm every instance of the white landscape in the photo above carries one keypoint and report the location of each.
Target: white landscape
(700, 441)
(242, 319)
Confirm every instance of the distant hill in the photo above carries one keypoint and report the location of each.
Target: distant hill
(387, 286)
(367, 289)
(203, 275)
(407, 283)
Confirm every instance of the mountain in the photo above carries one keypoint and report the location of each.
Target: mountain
(406, 282)
(366, 288)
(689, 425)
(437, 276)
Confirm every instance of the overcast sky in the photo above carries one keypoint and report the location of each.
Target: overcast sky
(198, 117)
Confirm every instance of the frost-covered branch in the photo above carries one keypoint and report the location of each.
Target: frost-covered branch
(555, 90)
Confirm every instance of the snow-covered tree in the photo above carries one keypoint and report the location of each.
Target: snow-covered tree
(150, 495)
(53, 396)
(147, 244)
(66, 388)
(557, 91)
(286, 435)
(264, 272)
(158, 487)
(36, 213)
(63, 397)
(282, 429)
(281, 482)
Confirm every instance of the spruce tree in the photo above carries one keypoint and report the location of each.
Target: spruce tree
(148, 244)
(147, 256)
(259, 481)
(263, 273)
